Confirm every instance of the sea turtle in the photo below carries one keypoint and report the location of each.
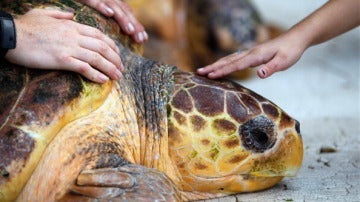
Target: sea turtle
(158, 134)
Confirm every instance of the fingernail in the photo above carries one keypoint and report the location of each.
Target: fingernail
(140, 36)
(103, 78)
(121, 67)
(263, 72)
(130, 28)
(118, 74)
(109, 11)
(146, 36)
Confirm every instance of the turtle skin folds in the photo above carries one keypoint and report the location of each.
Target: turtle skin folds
(157, 134)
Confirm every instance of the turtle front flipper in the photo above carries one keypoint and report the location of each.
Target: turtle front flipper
(127, 183)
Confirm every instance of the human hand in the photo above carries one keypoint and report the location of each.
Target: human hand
(272, 56)
(49, 39)
(122, 13)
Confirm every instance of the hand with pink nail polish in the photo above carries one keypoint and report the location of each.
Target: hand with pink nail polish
(282, 52)
(40, 43)
(123, 15)
(275, 55)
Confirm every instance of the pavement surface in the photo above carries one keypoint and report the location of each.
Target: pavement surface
(322, 91)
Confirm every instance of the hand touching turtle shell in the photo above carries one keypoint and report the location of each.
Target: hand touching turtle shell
(282, 52)
(49, 39)
(121, 12)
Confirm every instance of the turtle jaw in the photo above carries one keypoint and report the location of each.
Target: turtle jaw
(268, 169)
(238, 183)
(256, 171)
(228, 185)
(284, 160)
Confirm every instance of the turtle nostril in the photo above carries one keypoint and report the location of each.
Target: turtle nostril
(297, 126)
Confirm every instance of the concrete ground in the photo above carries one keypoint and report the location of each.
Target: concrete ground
(322, 92)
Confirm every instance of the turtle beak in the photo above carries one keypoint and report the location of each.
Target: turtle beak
(285, 160)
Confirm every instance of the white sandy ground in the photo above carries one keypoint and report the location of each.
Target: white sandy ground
(322, 92)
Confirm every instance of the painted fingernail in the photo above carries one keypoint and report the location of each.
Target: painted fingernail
(130, 27)
(140, 36)
(109, 11)
(103, 78)
(263, 72)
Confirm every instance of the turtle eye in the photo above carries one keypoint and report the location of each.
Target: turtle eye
(258, 134)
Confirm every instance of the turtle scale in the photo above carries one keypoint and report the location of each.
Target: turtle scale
(137, 130)
(11, 85)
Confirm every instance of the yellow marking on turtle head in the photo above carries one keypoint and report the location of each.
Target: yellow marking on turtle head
(223, 126)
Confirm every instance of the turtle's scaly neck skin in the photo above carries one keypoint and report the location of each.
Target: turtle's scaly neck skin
(139, 121)
(151, 85)
(111, 136)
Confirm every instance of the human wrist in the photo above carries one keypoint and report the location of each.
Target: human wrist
(7, 33)
(299, 37)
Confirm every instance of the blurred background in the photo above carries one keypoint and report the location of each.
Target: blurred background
(321, 90)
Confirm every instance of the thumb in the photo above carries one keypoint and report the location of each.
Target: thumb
(274, 65)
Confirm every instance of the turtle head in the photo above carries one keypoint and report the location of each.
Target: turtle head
(224, 138)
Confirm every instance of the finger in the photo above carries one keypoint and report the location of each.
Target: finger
(219, 64)
(121, 17)
(251, 58)
(95, 33)
(83, 68)
(102, 48)
(224, 70)
(55, 13)
(128, 23)
(274, 65)
(97, 61)
(101, 7)
(248, 60)
(225, 66)
(141, 34)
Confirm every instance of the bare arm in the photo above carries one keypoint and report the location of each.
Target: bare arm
(333, 18)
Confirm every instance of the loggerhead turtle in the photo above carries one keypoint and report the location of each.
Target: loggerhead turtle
(159, 134)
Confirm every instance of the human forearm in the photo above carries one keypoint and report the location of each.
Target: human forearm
(332, 19)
